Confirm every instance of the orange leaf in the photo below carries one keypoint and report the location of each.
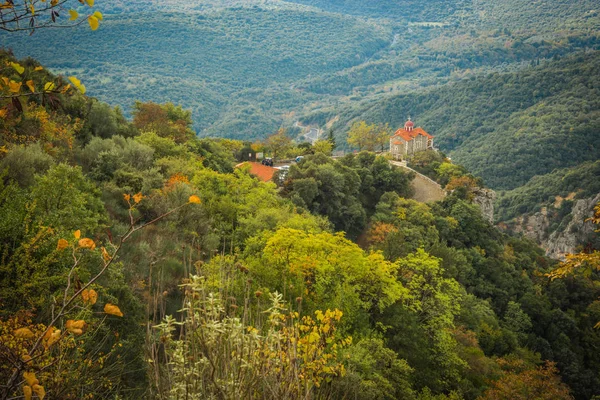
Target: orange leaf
(112, 310)
(75, 327)
(127, 197)
(87, 243)
(15, 87)
(40, 391)
(30, 378)
(27, 392)
(93, 297)
(38, 69)
(62, 244)
(31, 86)
(194, 199)
(77, 234)
(137, 198)
(54, 337)
(24, 333)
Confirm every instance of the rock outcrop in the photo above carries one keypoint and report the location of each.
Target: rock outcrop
(485, 198)
(559, 237)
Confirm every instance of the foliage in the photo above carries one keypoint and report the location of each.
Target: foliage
(278, 143)
(226, 353)
(345, 191)
(521, 382)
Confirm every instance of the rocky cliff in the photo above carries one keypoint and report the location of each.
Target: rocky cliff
(485, 198)
(559, 235)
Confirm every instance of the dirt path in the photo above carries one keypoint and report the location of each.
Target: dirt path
(426, 190)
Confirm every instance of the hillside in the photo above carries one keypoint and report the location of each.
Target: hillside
(249, 67)
(505, 127)
(138, 263)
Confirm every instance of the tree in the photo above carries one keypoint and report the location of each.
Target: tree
(331, 139)
(382, 135)
(522, 382)
(279, 142)
(30, 15)
(323, 146)
(362, 135)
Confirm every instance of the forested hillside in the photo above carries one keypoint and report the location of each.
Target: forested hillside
(248, 67)
(138, 263)
(506, 127)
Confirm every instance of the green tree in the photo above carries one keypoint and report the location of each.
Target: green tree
(362, 135)
(278, 143)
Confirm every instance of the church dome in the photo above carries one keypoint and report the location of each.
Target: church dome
(409, 125)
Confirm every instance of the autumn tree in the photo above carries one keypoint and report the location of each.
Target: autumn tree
(279, 142)
(166, 120)
(523, 382)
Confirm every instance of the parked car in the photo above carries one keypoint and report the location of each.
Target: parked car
(299, 158)
(268, 162)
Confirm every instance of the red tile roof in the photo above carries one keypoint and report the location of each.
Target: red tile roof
(262, 172)
(410, 135)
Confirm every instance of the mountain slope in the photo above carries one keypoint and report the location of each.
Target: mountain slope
(507, 127)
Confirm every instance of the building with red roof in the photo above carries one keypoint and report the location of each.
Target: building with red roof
(262, 172)
(408, 140)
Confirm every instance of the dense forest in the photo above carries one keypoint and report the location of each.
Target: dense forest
(137, 262)
(249, 67)
(507, 127)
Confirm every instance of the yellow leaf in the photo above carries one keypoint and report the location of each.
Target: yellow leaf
(137, 198)
(24, 333)
(38, 69)
(15, 87)
(127, 197)
(77, 83)
(105, 255)
(77, 234)
(31, 86)
(30, 378)
(93, 297)
(74, 15)
(3, 112)
(5, 80)
(49, 86)
(6, 5)
(112, 310)
(54, 2)
(39, 390)
(93, 21)
(75, 327)
(89, 296)
(87, 243)
(32, 9)
(26, 358)
(62, 244)
(27, 392)
(17, 67)
(98, 15)
(90, 2)
(194, 199)
(54, 337)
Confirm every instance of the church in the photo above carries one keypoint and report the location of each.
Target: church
(409, 140)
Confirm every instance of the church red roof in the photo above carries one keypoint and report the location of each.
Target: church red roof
(410, 135)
